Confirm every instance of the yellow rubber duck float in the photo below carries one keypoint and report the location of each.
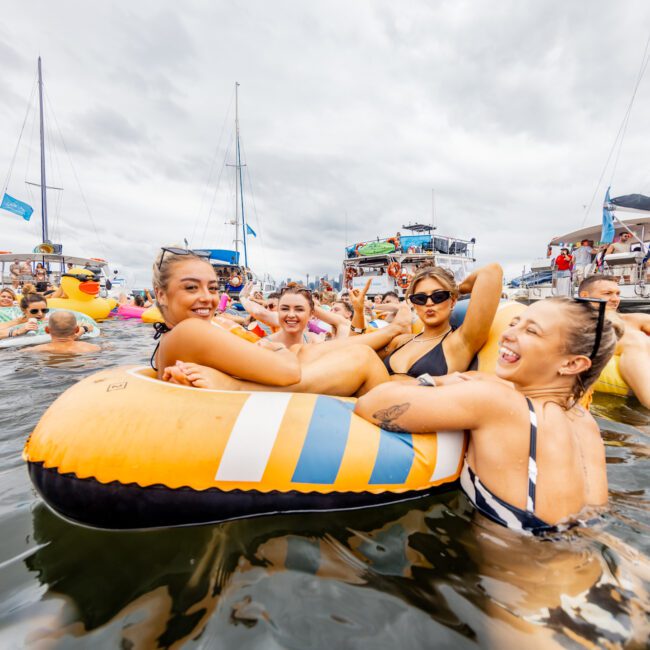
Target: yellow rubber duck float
(81, 287)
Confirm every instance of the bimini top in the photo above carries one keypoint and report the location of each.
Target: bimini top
(52, 257)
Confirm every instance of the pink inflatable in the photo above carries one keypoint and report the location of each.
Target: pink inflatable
(130, 311)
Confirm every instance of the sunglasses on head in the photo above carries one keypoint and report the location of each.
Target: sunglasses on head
(602, 305)
(182, 251)
(35, 311)
(82, 277)
(437, 297)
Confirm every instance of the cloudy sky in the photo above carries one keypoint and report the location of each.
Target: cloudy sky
(351, 112)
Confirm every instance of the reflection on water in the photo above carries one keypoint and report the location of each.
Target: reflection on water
(426, 573)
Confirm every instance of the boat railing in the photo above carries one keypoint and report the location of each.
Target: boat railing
(420, 244)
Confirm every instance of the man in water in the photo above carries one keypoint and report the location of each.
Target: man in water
(634, 346)
(65, 331)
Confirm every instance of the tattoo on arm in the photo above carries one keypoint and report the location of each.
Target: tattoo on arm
(386, 417)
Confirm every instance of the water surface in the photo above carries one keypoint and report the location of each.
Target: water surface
(429, 573)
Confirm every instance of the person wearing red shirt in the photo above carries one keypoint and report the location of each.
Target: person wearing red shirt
(563, 264)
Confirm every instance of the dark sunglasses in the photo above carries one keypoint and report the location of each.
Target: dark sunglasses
(82, 277)
(602, 305)
(39, 311)
(437, 297)
(182, 251)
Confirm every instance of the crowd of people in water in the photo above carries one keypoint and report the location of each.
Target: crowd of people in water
(535, 458)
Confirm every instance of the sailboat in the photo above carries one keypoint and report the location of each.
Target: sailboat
(231, 272)
(50, 254)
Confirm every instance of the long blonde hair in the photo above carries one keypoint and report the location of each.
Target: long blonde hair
(427, 270)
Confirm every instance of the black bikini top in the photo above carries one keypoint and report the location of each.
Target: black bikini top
(432, 363)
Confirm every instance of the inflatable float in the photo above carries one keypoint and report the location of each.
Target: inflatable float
(610, 380)
(9, 313)
(196, 456)
(82, 295)
(130, 311)
(40, 336)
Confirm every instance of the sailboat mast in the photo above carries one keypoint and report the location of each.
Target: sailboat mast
(43, 181)
(238, 179)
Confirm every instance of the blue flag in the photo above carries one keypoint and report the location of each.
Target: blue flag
(607, 233)
(250, 231)
(17, 207)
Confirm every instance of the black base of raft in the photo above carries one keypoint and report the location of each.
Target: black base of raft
(117, 506)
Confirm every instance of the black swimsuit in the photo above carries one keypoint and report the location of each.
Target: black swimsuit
(432, 363)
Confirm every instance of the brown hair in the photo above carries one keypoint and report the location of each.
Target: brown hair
(62, 323)
(30, 297)
(162, 268)
(348, 307)
(581, 324)
(592, 279)
(428, 270)
(299, 291)
(11, 292)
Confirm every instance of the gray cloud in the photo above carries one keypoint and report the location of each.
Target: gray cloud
(350, 114)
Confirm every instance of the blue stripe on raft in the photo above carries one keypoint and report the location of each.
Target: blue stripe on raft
(324, 446)
(394, 459)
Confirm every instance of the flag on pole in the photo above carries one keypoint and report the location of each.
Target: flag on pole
(250, 231)
(17, 207)
(607, 233)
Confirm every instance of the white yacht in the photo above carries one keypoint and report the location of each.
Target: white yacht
(391, 262)
(630, 269)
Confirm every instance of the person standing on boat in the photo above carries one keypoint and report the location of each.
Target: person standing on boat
(582, 258)
(15, 269)
(634, 346)
(563, 265)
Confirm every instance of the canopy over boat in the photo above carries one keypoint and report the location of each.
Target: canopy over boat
(8, 258)
(633, 202)
(640, 225)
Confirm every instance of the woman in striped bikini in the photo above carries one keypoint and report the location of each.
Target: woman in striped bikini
(535, 456)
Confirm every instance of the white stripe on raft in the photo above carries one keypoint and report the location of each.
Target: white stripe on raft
(252, 438)
(449, 454)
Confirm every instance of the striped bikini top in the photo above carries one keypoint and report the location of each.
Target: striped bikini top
(498, 510)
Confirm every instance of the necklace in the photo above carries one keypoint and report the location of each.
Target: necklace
(415, 339)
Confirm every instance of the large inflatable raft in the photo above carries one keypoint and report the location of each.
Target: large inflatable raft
(122, 450)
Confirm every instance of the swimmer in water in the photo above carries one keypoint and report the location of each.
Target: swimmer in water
(7, 297)
(187, 293)
(63, 328)
(440, 349)
(634, 346)
(34, 308)
(535, 456)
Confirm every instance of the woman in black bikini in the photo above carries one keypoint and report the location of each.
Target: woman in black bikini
(439, 349)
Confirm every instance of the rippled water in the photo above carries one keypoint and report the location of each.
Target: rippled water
(430, 573)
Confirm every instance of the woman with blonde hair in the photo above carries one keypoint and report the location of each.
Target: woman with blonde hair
(440, 349)
(535, 457)
(195, 351)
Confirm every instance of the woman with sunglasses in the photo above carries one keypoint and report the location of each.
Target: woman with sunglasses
(34, 308)
(439, 349)
(535, 457)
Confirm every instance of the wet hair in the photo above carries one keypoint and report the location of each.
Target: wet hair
(587, 283)
(346, 305)
(581, 323)
(30, 297)
(429, 271)
(298, 291)
(138, 301)
(162, 268)
(62, 323)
